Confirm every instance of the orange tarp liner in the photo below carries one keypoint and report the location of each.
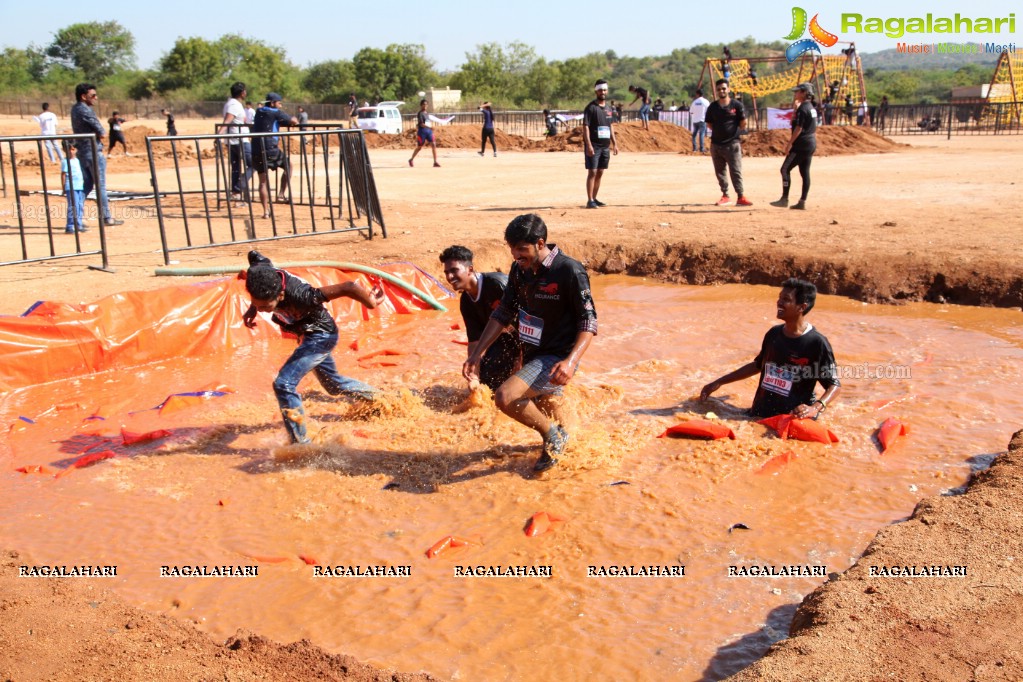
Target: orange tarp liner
(59, 340)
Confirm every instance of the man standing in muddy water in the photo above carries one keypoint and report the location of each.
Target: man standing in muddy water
(548, 296)
(793, 358)
(298, 308)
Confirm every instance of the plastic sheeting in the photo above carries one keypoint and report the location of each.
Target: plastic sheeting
(54, 341)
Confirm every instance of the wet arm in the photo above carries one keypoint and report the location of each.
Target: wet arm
(744, 372)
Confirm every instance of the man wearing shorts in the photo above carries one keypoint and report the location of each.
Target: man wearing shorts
(548, 298)
(424, 134)
(599, 142)
(266, 154)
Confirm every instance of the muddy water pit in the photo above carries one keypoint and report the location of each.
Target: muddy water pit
(381, 488)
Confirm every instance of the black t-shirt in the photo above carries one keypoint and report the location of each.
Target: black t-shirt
(301, 310)
(268, 120)
(805, 118)
(642, 94)
(724, 121)
(790, 370)
(422, 119)
(476, 314)
(598, 119)
(549, 307)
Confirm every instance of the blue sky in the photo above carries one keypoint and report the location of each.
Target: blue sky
(450, 28)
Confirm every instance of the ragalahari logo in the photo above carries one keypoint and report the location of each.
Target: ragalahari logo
(802, 45)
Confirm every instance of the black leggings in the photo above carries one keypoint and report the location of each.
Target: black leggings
(802, 159)
(488, 134)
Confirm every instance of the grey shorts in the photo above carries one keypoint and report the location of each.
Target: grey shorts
(537, 374)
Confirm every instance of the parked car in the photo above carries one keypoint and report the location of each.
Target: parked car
(385, 118)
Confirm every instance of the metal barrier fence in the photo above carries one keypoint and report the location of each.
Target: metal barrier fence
(319, 175)
(36, 212)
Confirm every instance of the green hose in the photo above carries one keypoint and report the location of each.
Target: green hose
(352, 267)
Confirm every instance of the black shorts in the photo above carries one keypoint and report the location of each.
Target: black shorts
(600, 159)
(274, 158)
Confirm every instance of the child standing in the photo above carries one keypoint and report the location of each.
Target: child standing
(298, 308)
(74, 190)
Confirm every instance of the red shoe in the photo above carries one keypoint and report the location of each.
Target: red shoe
(410, 163)
(743, 201)
(724, 201)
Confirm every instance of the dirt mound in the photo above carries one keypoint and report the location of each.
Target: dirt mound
(662, 137)
(831, 141)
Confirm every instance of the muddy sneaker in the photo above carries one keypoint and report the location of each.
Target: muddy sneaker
(799, 205)
(781, 203)
(481, 153)
(724, 201)
(553, 447)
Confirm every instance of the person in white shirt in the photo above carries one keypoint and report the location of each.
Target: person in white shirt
(240, 149)
(698, 117)
(48, 126)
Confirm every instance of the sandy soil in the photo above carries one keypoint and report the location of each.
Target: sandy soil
(922, 218)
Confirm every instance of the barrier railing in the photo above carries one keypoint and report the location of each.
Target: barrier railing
(208, 197)
(34, 207)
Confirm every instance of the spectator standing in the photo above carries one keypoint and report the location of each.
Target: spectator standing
(727, 121)
(863, 113)
(48, 126)
(598, 142)
(171, 128)
(882, 114)
(698, 118)
(266, 152)
(303, 122)
(74, 189)
(94, 169)
(116, 133)
(488, 129)
(239, 149)
(657, 109)
(801, 145)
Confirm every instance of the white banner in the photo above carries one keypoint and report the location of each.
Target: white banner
(779, 119)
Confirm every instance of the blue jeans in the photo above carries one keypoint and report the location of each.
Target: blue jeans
(75, 210)
(699, 130)
(644, 113)
(53, 148)
(99, 183)
(313, 354)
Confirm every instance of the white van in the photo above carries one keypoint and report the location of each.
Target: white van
(385, 117)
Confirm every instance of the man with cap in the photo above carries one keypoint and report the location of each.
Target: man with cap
(266, 154)
(801, 145)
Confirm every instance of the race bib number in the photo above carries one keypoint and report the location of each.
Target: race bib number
(777, 379)
(530, 328)
(603, 132)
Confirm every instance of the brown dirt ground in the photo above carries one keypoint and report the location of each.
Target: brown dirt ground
(921, 218)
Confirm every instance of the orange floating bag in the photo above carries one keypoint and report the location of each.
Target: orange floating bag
(788, 426)
(890, 429)
(699, 428)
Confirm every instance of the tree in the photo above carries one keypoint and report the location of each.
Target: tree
(330, 81)
(413, 70)
(97, 49)
(16, 70)
(375, 71)
(192, 62)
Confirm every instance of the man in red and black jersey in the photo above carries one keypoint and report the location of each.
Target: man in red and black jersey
(548, 298)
